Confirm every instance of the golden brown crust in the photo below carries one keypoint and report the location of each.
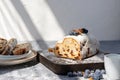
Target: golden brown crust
(6, 50)
(3, 43)
(50, 49)
(22, 48)
(9, 46)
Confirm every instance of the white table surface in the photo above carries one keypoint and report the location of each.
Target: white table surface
(36, 71)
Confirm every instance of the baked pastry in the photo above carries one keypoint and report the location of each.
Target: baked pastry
(21, 48)
(12, 43)
(3, 43)
(9, 46)
(12, 48)
(78, 45)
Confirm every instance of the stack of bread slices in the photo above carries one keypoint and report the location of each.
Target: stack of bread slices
(11, 47)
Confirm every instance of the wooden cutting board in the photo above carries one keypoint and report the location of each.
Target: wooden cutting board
(62, 66)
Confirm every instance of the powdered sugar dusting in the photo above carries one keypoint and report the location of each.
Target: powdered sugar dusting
(94, 59)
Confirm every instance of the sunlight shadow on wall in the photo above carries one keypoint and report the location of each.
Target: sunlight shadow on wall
(10, 22)
(28, 22)
(95, 15)
(43, 19)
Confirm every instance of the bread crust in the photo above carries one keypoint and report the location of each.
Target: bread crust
(21, 48)
(3, 43)
(9, 46)
(12, 48)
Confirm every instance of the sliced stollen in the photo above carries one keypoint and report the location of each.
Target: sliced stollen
(3, 43)
(79, 45)
(22, 48)
(70, 48)
(10, 46)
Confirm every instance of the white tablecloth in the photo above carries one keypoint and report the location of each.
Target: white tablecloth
(36, 71)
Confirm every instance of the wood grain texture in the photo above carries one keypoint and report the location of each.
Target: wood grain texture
(62, 66)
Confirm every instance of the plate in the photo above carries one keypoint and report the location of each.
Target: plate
(11, 57)
(29, 57)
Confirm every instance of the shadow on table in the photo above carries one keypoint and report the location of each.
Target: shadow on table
(6, 69)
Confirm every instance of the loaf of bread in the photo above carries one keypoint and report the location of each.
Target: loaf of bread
(21, 48)
(3, 43)
(79, 45)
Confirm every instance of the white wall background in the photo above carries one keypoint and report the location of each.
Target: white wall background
(50, 20)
